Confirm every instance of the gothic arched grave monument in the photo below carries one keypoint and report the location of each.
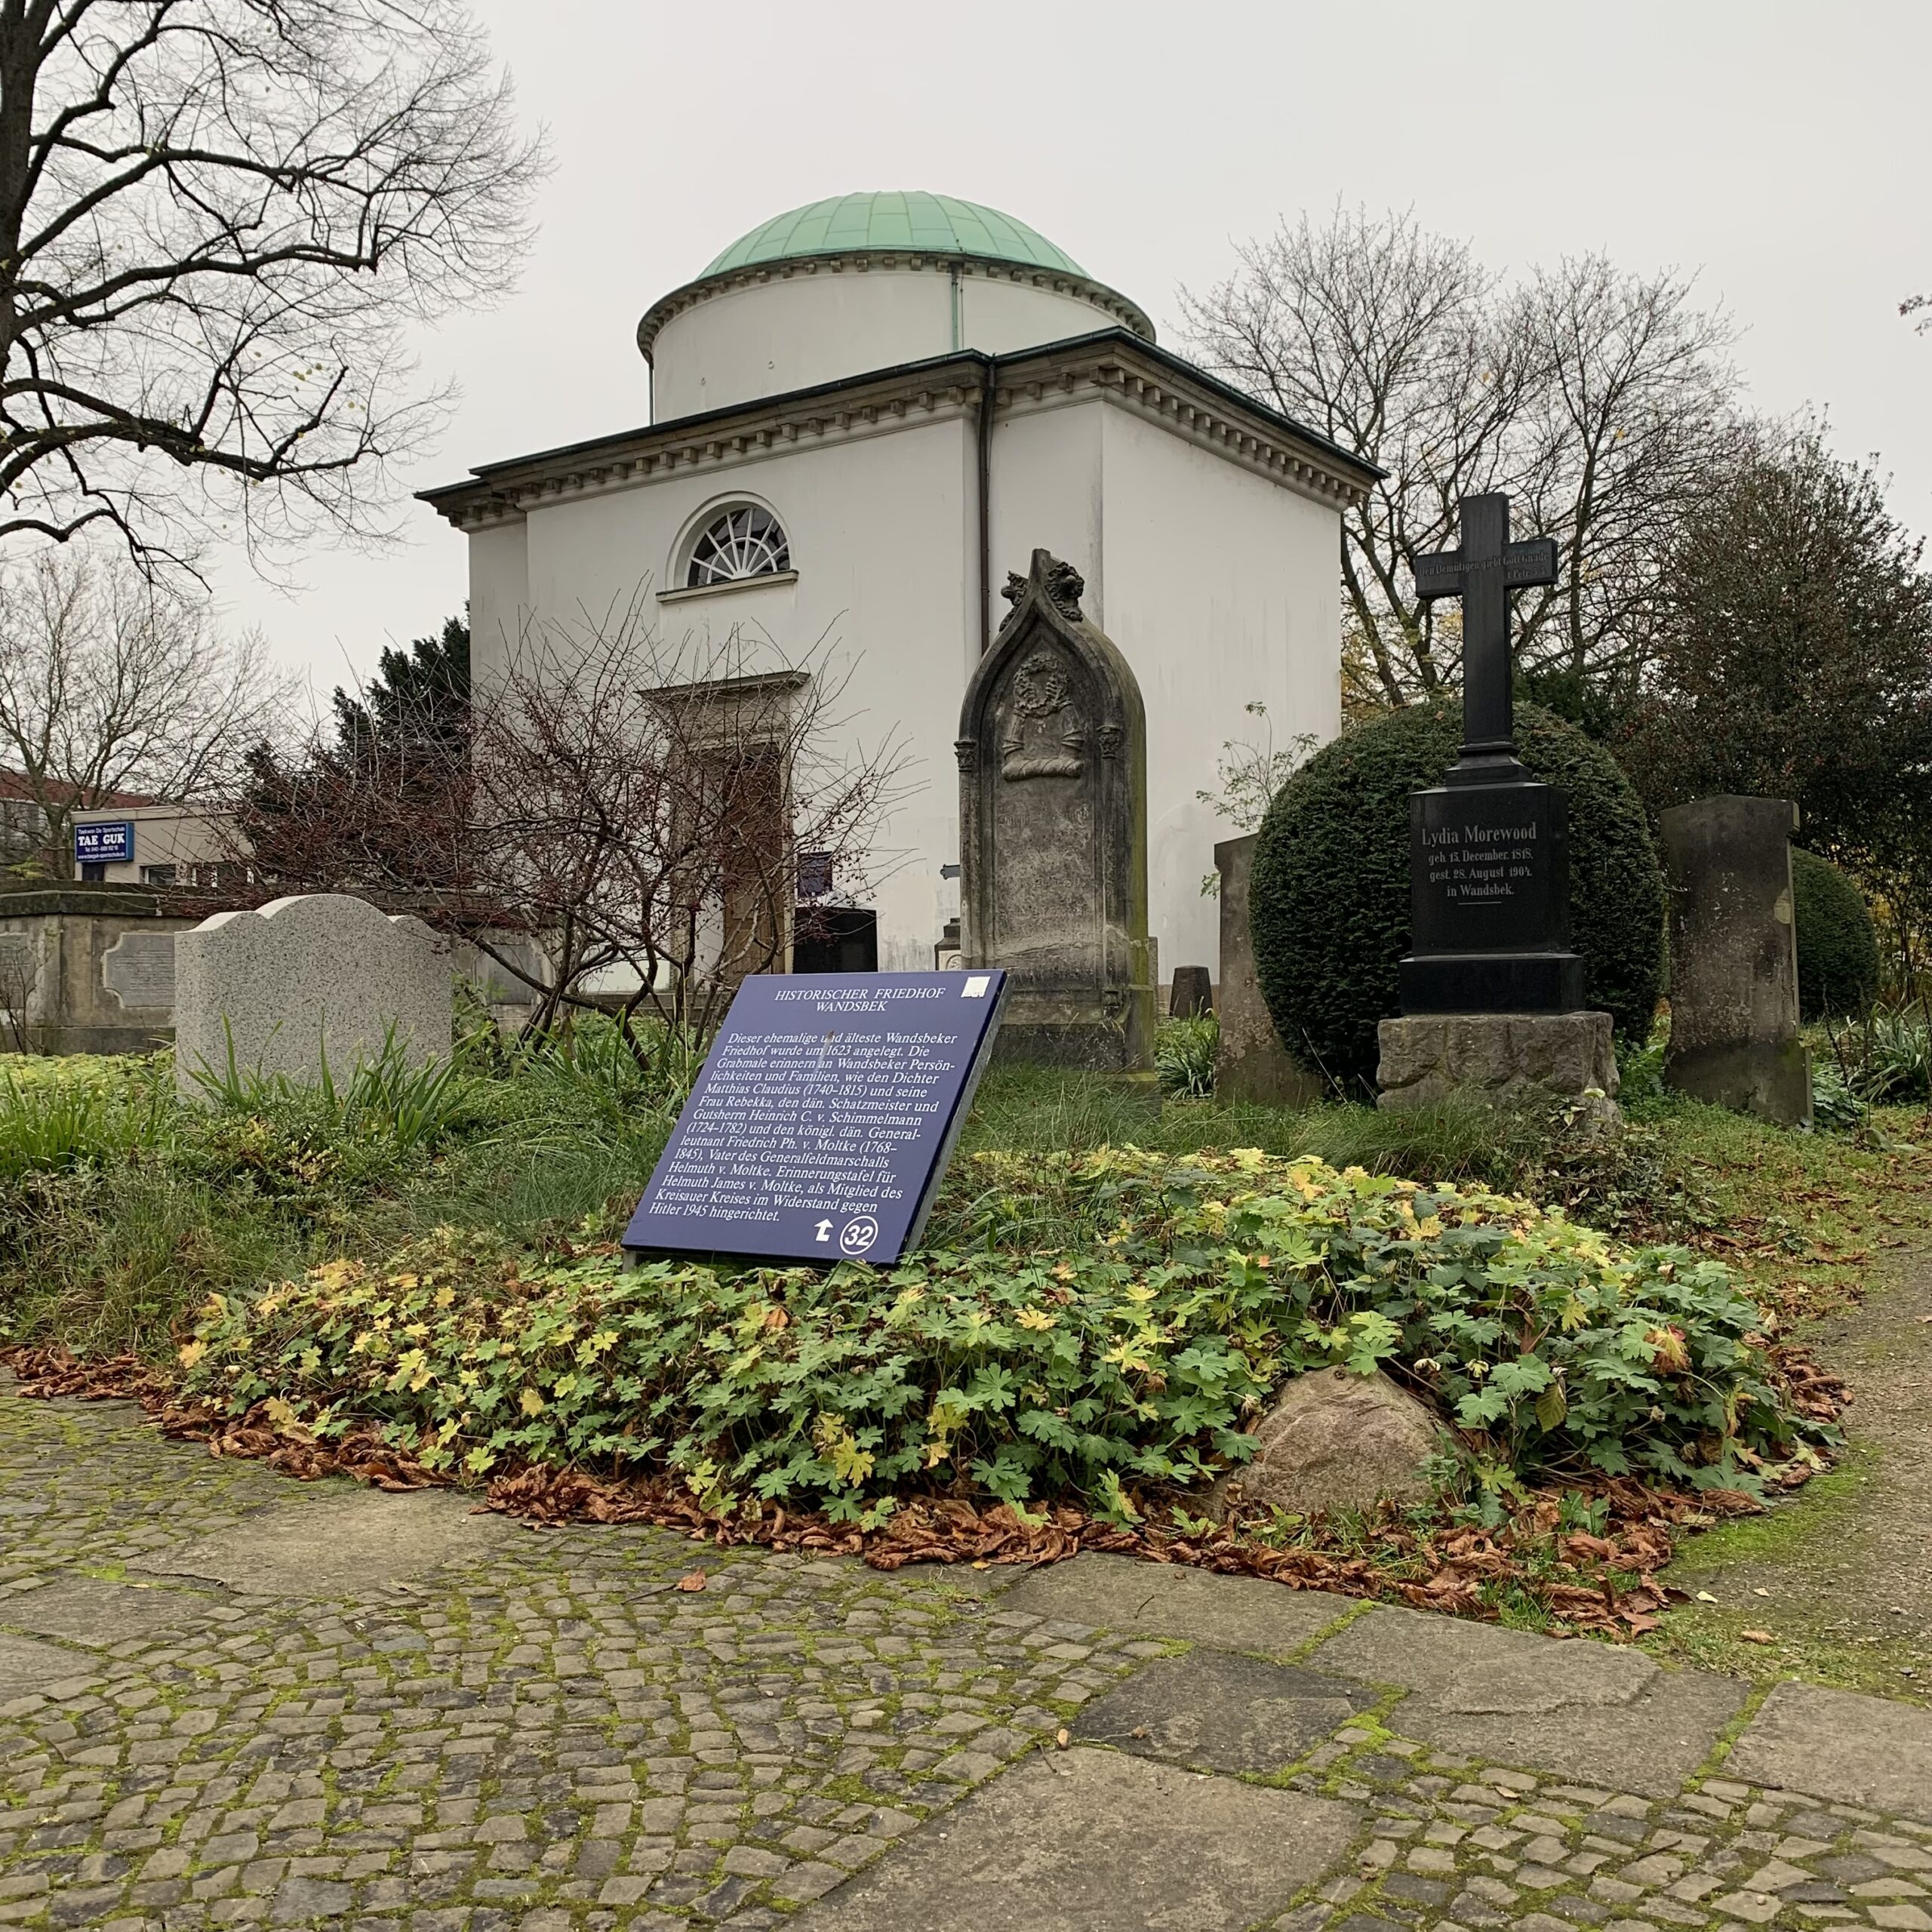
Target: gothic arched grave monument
(1053, 831)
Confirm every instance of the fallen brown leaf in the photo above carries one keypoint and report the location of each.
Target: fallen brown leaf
(695, 1581)
(1757, 1636)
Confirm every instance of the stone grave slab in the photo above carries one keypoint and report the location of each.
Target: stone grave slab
(1582, 1710)
(27, 1665)
(94, 1610)
(1217, 1711)
(1171, 1599)
(1072, 1840)
(1839, 1745)
(345, 1545)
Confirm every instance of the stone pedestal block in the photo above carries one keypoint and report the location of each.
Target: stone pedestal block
(1506, 1059)
(1733, 958)
(1192, 994)
(1251, 1063)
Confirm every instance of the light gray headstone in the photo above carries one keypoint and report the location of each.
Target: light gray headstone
(1733, 957)
(1053, 807)
(303, 978)
(138, 969)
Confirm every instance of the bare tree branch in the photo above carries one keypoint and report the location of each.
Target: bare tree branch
(216, 217)
(111, 683)
(635, 808)
(1596, 399)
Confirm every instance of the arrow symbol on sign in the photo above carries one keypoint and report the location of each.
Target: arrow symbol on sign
(825, 1231)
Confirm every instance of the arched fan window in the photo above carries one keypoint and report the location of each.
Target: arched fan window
(747, 541)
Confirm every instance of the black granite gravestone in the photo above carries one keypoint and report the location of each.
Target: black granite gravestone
(1488, 858)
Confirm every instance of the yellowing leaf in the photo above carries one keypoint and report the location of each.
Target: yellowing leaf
(1036, 1318)
(532, 1403)
(191, 1352)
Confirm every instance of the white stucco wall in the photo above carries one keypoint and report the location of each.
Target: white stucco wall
(815, 322)
(880, 530)
(1046, 495)
(1217, 583)
(498, 592)
(1221, 588)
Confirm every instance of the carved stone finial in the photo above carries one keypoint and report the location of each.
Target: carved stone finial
(1061, 585)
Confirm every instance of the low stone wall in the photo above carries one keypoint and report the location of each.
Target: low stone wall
(89, 970)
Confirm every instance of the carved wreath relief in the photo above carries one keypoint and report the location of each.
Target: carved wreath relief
(1033, 744)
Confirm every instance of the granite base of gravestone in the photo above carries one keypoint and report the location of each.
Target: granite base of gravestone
(1251, 1063)
(1505, 1060)
(320, 980)
(1191, 995)
(1052, 810)
(1734, 1037)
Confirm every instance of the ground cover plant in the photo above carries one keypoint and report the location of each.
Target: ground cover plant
(117, 1249)
(1106, 1324)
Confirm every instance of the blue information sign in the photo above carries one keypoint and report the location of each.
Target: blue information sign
(822, 1121)
(104, 842)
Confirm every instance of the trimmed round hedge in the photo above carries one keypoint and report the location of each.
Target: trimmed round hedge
(1329, 900)
(1837, 950)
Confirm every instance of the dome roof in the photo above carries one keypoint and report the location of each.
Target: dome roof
(936, 224)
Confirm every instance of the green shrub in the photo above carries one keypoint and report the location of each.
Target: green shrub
(1838, 949)
(1134, 1351)
(1331, 889)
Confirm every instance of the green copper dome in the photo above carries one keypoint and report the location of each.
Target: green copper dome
(938, 224)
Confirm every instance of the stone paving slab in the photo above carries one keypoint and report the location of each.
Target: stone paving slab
(1217, 1711)
(1838, 1744)
(542, 1732)
(26, 1665)
(1081, 1839)
(1169, 1600)
(338, 1541)
(93, 1609)
(1578, 1709)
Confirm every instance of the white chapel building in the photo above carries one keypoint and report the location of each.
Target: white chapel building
(863, 415)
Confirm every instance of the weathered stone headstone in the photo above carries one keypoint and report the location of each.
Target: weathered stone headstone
(1492, 994)
(1733, 957)
(1191, 995)
(1053, 811)
(323, 977)
(1251, 1063)
(138, 969)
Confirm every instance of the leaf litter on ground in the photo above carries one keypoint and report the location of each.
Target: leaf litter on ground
(1603, 1582)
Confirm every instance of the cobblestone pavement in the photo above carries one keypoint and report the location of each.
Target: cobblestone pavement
(227, 1698)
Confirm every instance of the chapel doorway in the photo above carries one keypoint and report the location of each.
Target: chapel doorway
(835, 939)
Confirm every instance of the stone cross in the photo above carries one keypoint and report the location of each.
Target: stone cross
(1482, 570)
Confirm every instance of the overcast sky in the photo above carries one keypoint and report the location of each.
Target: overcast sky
(1782, 151)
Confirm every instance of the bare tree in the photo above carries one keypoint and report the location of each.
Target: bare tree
(111, 683)
(1590, 395)
(1627, 426)
(1382, 336)
(624, 829)
(215, 218)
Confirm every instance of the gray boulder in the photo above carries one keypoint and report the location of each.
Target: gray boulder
(1335, 1440)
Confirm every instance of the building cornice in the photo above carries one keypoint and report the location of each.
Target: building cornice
(868, 261)
(1117, 367)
